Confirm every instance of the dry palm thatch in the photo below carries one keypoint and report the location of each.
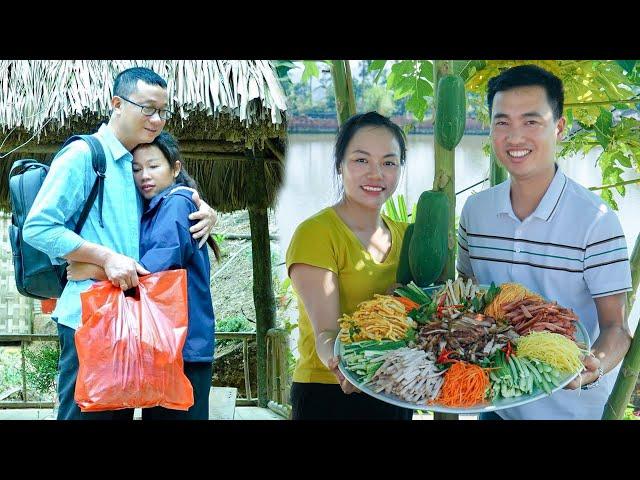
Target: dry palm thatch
(224, 111)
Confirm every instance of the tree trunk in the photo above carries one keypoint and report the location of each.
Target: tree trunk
(444, 179)
(263, 298)
(343, 87)
(497, 173)
(628, 375)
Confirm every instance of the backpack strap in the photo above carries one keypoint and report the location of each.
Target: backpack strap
(99, 167)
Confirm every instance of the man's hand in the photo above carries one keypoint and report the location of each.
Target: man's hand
(207, 217)
(346, 386)
(77, 271)
(588, 375)
(123, 271)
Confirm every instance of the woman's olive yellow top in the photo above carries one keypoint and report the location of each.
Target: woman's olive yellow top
(325, 241)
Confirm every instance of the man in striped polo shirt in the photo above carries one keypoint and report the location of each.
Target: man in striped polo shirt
(545, 231)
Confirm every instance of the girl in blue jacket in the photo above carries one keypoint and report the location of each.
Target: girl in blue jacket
(166, 244)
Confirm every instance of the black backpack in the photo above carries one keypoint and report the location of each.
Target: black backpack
(35, 275)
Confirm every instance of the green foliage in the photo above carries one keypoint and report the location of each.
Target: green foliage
(629, 413)
(221, 241)
(236, 323)
(399, 211)
(378, 98)
(594, 90)
(9, 368)
(42, 366)
(412, 79)
(310, 70)
(620, 144)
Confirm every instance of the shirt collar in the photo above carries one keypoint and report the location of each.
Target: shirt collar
(549, 203)
(118, 151)
(547, 206)
(153, 203)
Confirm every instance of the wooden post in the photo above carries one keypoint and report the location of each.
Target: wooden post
(263, 298)
(628, 375)
(444, 180)
(343, 88)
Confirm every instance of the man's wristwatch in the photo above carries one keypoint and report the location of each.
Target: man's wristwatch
(595, 383)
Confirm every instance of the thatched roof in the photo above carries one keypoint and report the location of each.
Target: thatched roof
(223, 108)
(45, 96)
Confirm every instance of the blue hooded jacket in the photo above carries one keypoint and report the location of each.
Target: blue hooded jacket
(167, 244)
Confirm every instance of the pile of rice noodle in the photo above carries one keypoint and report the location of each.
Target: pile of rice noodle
(551, 348)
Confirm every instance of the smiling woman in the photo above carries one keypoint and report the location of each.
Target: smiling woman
(340, 257)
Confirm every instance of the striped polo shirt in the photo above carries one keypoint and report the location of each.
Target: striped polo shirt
(571, 249)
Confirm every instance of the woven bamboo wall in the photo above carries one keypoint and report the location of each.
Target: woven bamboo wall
(16, 311)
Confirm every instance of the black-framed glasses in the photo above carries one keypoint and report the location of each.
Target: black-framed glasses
(150, 111)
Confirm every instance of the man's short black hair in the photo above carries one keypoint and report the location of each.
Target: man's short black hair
(526, 76)
(127, 81)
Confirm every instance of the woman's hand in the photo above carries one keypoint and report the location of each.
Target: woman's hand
(347, 387)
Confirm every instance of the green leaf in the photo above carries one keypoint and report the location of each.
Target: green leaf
(377, 65)
(603, 126)
(569, 115)
(423, 88)
(622, 160)
(417, 106)
(310, 70)
(426, 70)
(607, 196)
(402, 208)
(404, 67)
(390, 209)
(627, 65)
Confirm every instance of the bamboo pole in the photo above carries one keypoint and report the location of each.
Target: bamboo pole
(343, 88)
(444, 180)
(628, 375)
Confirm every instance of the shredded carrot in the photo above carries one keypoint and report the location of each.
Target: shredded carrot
(464, 385)
(408, 304)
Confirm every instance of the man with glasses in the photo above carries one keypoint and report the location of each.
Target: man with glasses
(139, 114)
(149, 111)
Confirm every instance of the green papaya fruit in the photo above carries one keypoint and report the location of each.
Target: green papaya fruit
(403, 274)
(451, 111)
(428, 247)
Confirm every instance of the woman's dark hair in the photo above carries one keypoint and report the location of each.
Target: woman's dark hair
(370, 119)
(527, 76)
(168, 145)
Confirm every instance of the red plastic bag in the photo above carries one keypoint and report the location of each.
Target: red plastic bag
(48, 306)
(130, 348)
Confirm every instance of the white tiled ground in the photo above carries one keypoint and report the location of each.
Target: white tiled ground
(241, 413)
